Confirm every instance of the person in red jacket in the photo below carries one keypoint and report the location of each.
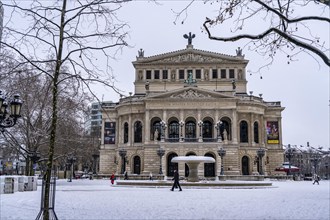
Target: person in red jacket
(112, 179)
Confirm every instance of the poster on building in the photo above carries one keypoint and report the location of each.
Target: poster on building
(272, 132)
(109, 132)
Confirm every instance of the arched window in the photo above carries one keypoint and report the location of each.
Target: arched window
(256, 132)
(125, 132)
(244, 132)
(173, 131)
(209, 168)
(171, 166)
(190, 135)
(207, 131)
(138, 132)
(137, 165)
(155, 133)
(225, 128)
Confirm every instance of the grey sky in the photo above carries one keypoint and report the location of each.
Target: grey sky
(301, 86)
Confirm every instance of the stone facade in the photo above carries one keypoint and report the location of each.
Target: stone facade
(191, 102)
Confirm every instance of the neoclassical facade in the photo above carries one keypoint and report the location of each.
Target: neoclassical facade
(191, 102)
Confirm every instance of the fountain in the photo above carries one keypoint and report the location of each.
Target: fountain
(193, 162)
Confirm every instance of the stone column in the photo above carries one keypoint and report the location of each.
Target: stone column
(147, 127)
(234, 128)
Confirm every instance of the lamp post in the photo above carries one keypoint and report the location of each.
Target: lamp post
(289, 154)
(164, 126)
(217, 126)
(122, 154)
(160, 153)
(200, 124)
(222, 153)
(181, 123)
(261, 154)
(9, 118)
(71, 160)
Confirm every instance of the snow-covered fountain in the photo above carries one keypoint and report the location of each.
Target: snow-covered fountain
(193, 162)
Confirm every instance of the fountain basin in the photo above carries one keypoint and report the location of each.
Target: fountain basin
(193, 162)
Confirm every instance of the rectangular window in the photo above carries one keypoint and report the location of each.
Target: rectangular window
(181, 74)
(231, 73)
(214, 73)
(198, 74)
(148, 72)
(223, 74)
(156, 76)
(165, 72)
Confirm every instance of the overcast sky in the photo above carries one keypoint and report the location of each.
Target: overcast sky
(301, 86)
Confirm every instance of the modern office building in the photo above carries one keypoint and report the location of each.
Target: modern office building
(191, 102)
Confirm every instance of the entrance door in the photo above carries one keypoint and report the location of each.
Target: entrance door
(209, 168)
(171, 166)
(245, 165)
(137, 165)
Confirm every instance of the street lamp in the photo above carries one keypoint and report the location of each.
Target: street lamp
(164, 126)
(218, 126)
(9, 118)
(289, 154)
(71, 160)
(122, 154)
(160, 153)
(181, 123)
(260, 153)
(200, 124)
(222, 153)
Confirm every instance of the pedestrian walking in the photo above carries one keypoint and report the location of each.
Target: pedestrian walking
(125, 175)
(150, 176)
(112, 179)
(316, 179)
(176, 181)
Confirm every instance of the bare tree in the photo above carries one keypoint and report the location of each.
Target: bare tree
(284, 29)
(82, 35)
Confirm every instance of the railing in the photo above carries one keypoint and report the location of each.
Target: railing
(175, 140)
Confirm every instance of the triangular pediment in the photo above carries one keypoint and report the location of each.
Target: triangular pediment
(189, 93)
(189, 55)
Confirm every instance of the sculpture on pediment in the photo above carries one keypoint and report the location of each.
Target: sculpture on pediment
(239, 52)
(190, 94)
(190, 79)
(141, 53)
(189, 37)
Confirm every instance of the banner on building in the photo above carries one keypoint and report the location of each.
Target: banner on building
(109, 132)
(272, 132)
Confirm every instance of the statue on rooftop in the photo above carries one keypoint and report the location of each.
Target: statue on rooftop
(189, 37)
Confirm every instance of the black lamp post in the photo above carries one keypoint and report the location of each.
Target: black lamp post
(181, 123)
(8, 118)
(261, 154)
(164, 126)
(122, 154)
(71, 160)
(160, 153)
(222, 153)
(218, 126)
(200, 124)
(289, 154)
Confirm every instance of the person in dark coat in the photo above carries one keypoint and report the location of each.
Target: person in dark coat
(176, 180)
(316, 179)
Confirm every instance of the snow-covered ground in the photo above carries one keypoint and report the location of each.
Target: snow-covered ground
(97, 199)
